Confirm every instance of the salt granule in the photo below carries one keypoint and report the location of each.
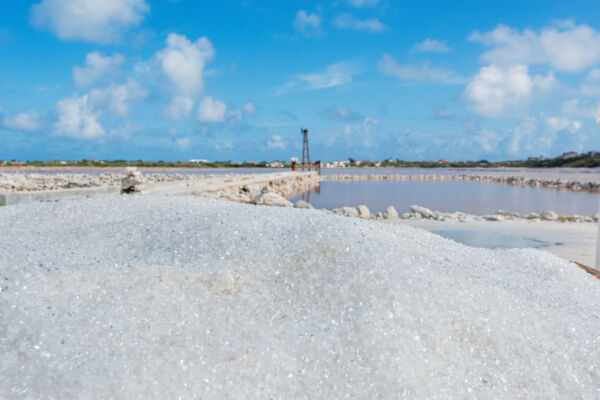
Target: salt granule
(182, 297)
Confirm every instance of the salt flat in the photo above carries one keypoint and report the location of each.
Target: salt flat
(183, 297)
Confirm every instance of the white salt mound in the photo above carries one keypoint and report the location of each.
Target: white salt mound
(139, 297)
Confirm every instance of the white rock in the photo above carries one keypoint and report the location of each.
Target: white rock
(272, 199)
(132, 180)
(346, 211)
(390, 213)
(363, 211)
(549, 215)
(493, 217)
(302, 204)
(425, 212)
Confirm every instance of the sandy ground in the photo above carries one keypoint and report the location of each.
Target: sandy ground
(571, 241)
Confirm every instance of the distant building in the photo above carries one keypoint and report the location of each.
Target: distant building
(533, 159)
(569, 154)
(250, 162)
(592, 153)
(3, 162)
(444, 161)
(199, 161)
(276, 164)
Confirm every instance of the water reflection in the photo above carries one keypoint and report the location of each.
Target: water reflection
(467, 196)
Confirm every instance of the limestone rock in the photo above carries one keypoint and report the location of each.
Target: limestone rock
(549, 215)
(363, 211)
(133, 178)
(271, 199)
(425, 212)
(302, 204)
(494, 217)
(390, 213)
(346, 211)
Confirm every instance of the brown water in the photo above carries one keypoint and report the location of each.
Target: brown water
(471, 197)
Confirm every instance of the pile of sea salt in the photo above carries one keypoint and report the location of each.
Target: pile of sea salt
(183, 297)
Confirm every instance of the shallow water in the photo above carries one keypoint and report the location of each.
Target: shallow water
(490, 240)
(448, 196)
(572, 174)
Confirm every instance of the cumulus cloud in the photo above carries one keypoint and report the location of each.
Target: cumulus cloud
(349, 21)
(117, 99)
(212, 110)
(341, 113)
(92, 20)
(96, 67)
(559, 123)
(276, 143)
(178, 108)
(307, 22)
(29, 121)
(432, 46)
(77, 119)
(183, 62)
(334, 75)
(417, 72)
(565, 46)
(497, 90)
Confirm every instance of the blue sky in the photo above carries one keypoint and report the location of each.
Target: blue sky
(370, 79)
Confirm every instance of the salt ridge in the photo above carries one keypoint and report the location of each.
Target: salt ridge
(180, 297)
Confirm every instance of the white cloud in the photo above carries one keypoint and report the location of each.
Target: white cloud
(363, 3)
(96, 67)
(183, 143)
(348, 21)
(117, 99)
(432, 46)
(496, 91)
(77, 119)
(590, 86)
(564, 46)
(24, 121)
(363, 134)
(276, 143)
(211, 110)
(341, 113)
(576, 108)
(172, 130)
(556, 124)
(100, 21)
(178, 108)
(249, 108)
(307, 22)
(334, 75)
(417, 72)
(183, 62)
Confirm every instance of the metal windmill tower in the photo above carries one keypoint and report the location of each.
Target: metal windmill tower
(305, 152)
